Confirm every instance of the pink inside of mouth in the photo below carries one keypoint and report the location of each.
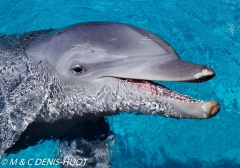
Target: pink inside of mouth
(160, 90)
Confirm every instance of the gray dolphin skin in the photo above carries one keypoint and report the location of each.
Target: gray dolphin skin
(92, 69)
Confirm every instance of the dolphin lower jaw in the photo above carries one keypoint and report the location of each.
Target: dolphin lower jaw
(114, 95)
(160, 100)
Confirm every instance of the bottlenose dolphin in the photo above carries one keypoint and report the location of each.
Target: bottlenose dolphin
(92, 69)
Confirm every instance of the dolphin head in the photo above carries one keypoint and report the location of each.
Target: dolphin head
(105, 54)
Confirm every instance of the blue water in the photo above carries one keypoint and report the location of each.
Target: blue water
(205, 32)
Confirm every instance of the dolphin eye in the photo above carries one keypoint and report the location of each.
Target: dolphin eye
(77, 70)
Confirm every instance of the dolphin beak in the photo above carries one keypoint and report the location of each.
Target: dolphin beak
(178, 70)
(142, 73)
(156, 69)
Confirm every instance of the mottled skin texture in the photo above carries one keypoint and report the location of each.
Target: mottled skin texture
(87, 69)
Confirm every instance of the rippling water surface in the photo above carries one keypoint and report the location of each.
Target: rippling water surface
(205, 32)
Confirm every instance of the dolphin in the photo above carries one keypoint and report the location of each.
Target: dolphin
(92, 69)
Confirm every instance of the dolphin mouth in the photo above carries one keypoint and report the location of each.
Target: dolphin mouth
(180, 101)
(160, 90)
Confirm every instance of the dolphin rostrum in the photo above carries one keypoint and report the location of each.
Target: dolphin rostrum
(92, 69)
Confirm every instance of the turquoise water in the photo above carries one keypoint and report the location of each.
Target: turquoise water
(205, 32)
